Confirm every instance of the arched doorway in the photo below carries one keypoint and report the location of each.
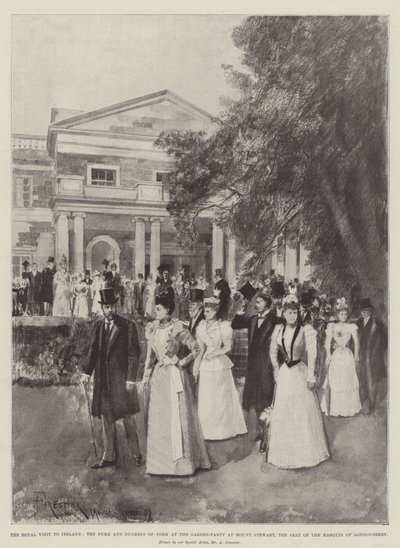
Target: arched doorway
(100, 248)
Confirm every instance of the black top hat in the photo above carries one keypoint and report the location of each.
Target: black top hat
(87, 272)
(272, 272)
(196, 295)
(306, 298)
(108, 296)
(277, 289)
(296, 280)
(218, 272)
(50, 259)
(365, 303)
(25, 263)
(105, 262)
(248, 291)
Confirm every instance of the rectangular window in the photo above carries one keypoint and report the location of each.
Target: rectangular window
(161, 176)
(103, 177)
(23, 191)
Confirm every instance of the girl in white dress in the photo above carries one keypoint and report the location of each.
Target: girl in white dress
(297, 434)
(341, 382)
(220, 413)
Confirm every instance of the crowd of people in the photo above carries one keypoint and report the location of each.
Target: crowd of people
(55, 291)
(300, 354)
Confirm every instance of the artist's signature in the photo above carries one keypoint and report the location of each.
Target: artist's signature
(60, 507)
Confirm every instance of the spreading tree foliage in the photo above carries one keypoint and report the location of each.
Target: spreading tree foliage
(302, 151)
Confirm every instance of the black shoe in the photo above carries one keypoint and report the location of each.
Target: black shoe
(263, 446)
(139, 460)
(103, 464)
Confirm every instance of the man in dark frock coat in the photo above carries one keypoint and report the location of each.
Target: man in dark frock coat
(47, 286)
(259, 384)
(35, 292)
(373, 345)
(114, 358)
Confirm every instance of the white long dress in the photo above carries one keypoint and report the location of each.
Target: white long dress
(96, 306)
(220, 413)
(62, 295)
(81, 308)
(342, 375)
(297, 435)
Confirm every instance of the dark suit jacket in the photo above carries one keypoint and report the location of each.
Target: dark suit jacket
(36, 287)
(193, 327)
(47, 284)
(373, 345)
(259, 384)
(138, 292)
(114, 365)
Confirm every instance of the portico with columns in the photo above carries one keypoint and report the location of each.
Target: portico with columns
(107, 195)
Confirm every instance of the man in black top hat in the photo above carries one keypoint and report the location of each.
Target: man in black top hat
(277, 294)
(222, 291)
(47, 286)
(35, 299)
(373, 346)
(26, 276)
(305, 304)
(114, 359)
(259, 384)
(138, 292)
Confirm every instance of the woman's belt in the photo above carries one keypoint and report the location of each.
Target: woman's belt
(292, 363)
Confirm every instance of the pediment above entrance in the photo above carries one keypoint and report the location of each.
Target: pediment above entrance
(148, 115)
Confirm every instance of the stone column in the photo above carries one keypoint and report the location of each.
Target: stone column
(155, 244)
(217, 248)
(305, 269)
(231, 270)
(140, 245)
(79, 230)
(62, 236)
(274, 256)
(291, 261)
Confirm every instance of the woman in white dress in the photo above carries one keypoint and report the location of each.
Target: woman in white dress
(150, 306)
(220, 413)
(297, 434)
(341, 397)
(62, 293)
(81, 308)
(175, 444)
(96, 286)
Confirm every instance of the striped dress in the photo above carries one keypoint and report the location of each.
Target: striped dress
(175, 444)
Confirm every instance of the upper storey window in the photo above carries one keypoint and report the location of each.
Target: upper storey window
(99, 175)
(103, 177)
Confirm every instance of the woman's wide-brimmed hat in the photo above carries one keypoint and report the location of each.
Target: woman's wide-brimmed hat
(108, 296)
(166, 298)
(214, 302)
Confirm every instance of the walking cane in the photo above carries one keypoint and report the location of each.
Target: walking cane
(91, 421)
